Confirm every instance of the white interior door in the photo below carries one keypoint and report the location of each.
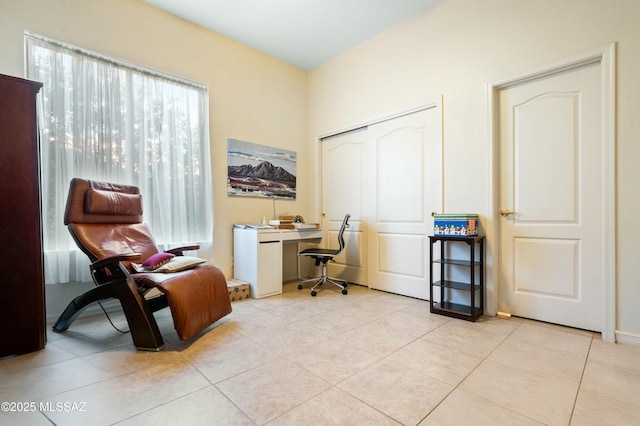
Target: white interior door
(551, 196)
(404, 169)
(343, 183)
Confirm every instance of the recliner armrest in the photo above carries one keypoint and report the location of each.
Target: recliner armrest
(178, 250)
(115, 259)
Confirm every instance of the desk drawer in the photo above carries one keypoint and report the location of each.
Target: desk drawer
(297, 235)
(267, 237)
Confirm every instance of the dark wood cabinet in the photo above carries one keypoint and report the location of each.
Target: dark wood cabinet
(460, 289)
(22, 307)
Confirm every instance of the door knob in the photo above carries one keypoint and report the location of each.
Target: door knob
(506, 212)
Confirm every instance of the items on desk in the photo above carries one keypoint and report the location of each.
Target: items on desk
(252, 225)
(292, 222)
(283, 222)
(304, 225)
(277, 225)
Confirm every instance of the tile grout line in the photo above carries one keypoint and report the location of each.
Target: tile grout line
(584, 368)
(471, 372)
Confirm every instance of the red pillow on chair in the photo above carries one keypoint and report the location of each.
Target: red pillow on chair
(157, 260)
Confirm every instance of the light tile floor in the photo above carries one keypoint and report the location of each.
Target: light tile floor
(367, 358)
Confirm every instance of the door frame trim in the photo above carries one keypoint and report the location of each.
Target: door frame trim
(605, 56)
(383, 117)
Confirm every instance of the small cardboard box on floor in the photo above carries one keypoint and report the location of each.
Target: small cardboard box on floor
(238, 290)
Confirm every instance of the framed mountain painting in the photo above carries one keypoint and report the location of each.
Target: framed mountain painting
(255, 170)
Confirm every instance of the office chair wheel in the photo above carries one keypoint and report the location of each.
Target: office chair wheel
(344, 291)
(313, 293)
(299, 286)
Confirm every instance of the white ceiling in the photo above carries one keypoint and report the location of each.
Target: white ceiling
(303, 33)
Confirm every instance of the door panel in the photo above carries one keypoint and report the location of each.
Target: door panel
(401, 254)
(343, 177)
(553, 145)
(559, 275)
(550, 143)
(405, 171)
(400, 155)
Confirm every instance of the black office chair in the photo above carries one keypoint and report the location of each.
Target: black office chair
(322, 256)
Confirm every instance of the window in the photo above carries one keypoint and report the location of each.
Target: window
(109, 120)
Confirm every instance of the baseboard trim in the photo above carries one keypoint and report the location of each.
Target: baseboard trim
(627, 338)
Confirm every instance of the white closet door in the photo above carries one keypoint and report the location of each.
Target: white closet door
(404, 186)
(343, 184)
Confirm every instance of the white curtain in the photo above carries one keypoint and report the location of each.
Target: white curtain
(107, 120)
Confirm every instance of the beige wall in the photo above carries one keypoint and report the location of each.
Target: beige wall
(253, 97)
(455, 48)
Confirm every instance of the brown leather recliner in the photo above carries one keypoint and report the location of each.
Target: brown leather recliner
(105, 220)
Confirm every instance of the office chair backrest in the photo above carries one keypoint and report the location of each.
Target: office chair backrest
(345, 223)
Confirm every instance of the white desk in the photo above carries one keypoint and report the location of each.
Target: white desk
(257, 255)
